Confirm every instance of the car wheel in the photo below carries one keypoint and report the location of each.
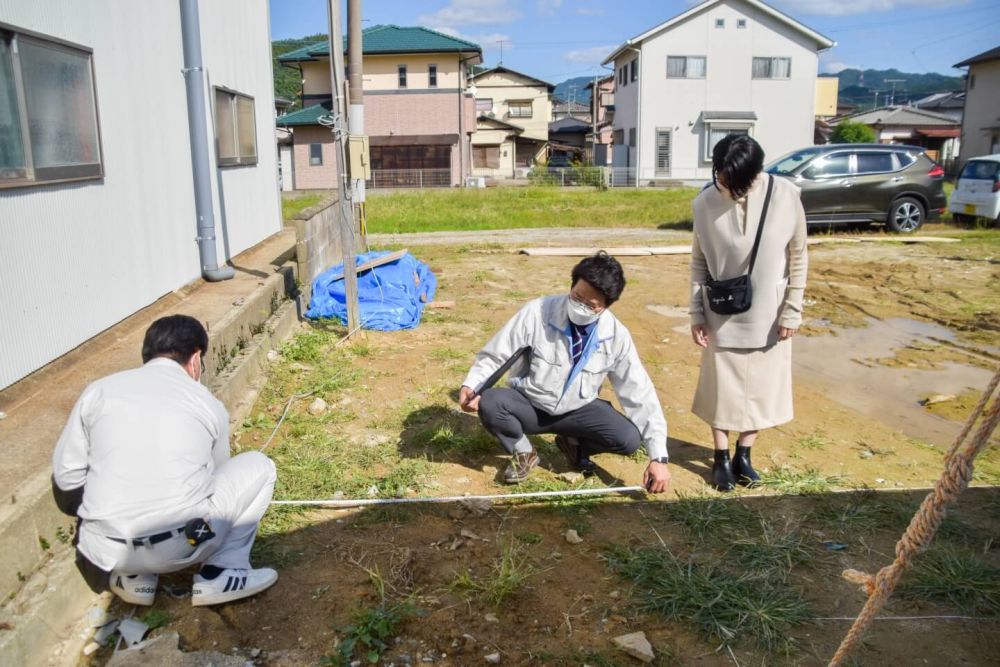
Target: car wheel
(906, 215)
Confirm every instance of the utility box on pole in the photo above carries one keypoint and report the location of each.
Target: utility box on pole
(359, 158)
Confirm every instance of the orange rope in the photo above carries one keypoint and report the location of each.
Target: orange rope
(955, 478)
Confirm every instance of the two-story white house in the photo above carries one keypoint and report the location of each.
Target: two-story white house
(723, 66)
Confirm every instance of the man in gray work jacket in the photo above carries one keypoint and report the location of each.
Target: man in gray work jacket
(575, 343)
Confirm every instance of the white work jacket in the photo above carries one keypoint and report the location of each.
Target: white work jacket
(552, 383)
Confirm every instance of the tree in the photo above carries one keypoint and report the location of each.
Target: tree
(852, 133)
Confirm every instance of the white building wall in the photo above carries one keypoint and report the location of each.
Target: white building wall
(77, 258)
(626, 109)
(784, 107)
(981, 123)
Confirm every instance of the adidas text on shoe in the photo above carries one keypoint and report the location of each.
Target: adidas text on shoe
(231, 584)
(134, 588)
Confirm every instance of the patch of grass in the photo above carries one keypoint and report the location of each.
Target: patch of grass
(721, 606)
(369, 635)
(512, 208)
(308, 346)
(508, 574)
(957, 576)
(292, 205)
(445, 438)
(770, 554)
(815, 440)
(528, 538)
(710, 518)
(155, 618)
(852, 515)
(788, 480)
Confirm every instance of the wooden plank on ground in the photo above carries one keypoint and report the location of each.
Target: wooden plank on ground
(585, 252)
(882, 239)
(378, 261)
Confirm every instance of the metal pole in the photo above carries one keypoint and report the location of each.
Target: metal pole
(338, 111)
(356, 95)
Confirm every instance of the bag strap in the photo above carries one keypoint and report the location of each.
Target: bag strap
(760, 227)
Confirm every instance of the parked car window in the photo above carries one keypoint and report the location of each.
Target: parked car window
(874, 162)
(984, 170)
(838, 164)
(906, 159)
(786, 166)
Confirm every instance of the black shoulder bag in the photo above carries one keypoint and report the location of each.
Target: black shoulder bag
(729, 297)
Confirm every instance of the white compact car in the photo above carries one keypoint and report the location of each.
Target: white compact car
(977, 190)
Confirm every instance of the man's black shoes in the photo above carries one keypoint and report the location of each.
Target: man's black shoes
(575, 458)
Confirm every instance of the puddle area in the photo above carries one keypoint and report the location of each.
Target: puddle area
(843, 366)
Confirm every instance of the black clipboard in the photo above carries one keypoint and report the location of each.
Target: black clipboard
(498, 373)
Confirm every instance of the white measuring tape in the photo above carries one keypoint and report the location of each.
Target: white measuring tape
(362, 502)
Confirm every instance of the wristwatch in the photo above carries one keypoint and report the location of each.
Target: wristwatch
(663, 459)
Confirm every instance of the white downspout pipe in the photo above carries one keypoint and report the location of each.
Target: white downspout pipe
(194, 81)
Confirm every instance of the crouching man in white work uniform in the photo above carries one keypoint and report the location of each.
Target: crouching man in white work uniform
(149, 448)
(575, 343)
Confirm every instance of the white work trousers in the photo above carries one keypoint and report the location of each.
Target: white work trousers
(243, 488)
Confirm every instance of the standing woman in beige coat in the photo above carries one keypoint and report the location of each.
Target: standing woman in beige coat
(745, 383)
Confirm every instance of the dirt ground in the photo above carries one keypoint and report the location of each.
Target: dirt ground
(392, 428)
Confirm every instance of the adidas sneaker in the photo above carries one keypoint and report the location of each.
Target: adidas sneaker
(231, 584)
(134, 588)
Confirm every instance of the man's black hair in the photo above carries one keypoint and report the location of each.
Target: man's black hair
(176, 337)
(604, 274)
(738, 159)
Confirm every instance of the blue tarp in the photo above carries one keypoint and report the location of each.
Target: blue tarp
(391, 296)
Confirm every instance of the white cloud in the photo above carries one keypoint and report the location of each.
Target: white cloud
(591, 56)
(590, 11)
(548, 7)
(848, 7)
(471, 12)
(837, 67)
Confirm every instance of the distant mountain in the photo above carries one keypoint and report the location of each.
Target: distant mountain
(859, 87)
(572, 90)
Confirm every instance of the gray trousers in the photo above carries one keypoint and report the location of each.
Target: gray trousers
(598, 427)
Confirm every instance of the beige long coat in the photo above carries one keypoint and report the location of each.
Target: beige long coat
(745, 379)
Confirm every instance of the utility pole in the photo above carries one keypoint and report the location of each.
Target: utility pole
(338, 110)
(892, 98)
(356, 98)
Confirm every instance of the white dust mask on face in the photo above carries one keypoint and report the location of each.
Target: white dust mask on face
(579, 313)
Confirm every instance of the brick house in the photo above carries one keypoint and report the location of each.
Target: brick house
(419, 115)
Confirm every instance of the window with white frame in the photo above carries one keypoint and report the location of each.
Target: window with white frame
(772, 68)
(618, 137)
(631, 136)
(720, 23)
(315, 155)
(715, 132)
(432, 76)
(519, 108)
(484, 105)
(235, 128)
(741, 24)
(623, 72)
(48, 111)
(686, 67)
(663, 142)
(401, 73)
(634, 66)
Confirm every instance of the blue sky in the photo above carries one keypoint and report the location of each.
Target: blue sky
(558, 39)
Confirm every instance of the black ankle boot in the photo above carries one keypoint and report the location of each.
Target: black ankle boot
(743, 469)
(722, 472)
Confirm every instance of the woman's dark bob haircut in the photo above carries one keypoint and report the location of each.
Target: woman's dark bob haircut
(737, 160)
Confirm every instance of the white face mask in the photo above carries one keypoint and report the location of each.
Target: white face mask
(579, 313)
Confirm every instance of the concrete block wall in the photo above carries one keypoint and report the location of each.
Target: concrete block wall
(317, 240)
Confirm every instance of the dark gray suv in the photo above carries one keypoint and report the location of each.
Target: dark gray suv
(861, 183)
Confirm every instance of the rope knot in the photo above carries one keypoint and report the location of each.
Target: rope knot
(862, 579)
